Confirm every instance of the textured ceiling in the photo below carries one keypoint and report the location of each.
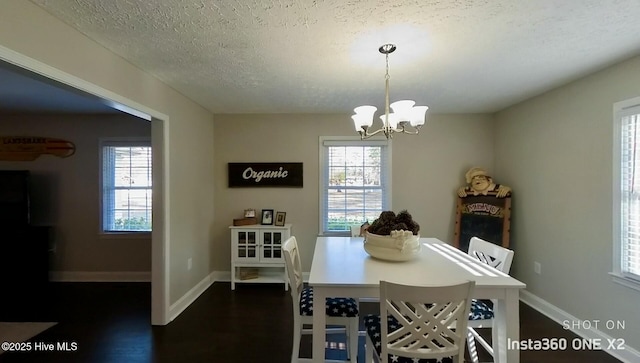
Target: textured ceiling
(284, 56)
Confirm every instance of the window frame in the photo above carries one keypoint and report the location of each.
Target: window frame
(323, 173)
(619, 275)
(122, 142)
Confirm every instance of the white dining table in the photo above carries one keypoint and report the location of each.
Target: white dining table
(342, 268)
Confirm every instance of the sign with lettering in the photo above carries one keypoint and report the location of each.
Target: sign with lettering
(265, 175)
(27, 148)
(483, 216)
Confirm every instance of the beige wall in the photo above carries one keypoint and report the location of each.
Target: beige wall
(65, 191)
(427, 169)
(32, 33)
(555, 150)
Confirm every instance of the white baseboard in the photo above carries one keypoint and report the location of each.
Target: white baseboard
(627, 355)
(187, 299)
(100, 276)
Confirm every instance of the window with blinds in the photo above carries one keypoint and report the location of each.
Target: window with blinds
(628, 245)
(126, 186)
(355, 183)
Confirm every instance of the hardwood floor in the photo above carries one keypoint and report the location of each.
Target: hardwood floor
(110, 323)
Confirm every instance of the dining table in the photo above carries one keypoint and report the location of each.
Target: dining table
(342, 268)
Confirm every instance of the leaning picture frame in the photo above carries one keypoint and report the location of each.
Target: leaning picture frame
(267, 217)
(280, 218)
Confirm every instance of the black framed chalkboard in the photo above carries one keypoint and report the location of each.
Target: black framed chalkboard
(483, 216)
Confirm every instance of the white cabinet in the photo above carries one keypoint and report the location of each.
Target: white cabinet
(258, 248)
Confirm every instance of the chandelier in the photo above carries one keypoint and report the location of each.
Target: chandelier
(406, 117)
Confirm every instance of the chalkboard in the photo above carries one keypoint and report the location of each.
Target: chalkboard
(483, 216)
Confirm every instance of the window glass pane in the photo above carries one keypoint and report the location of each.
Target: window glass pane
(353, 189)
(630, 196)
(127, 187)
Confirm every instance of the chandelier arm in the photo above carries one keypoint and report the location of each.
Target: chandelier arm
(366, 134)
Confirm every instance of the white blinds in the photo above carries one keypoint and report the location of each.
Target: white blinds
(630, 193)
(126, 186)
(355, 183)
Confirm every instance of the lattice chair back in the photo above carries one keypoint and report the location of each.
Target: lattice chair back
(491, 254)
(482, 314)
(432, 320)
(294, 270)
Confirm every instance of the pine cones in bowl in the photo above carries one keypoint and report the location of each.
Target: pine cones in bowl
(393, 237)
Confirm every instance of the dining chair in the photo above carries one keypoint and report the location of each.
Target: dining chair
(482, 315)
(425, 324)
(340, 311)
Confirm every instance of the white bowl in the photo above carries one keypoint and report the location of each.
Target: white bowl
(392, 248)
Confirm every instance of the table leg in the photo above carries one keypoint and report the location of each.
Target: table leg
(508, 326)
(319, 325)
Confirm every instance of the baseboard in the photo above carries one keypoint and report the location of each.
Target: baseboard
(627, 354)
(100, 276)
(187, 299)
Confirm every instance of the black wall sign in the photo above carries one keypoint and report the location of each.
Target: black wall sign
(265, 175)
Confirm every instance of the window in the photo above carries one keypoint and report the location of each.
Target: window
(126, 185)
(355, 182)
(626, 263)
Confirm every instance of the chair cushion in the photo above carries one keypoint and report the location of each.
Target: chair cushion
(335, 306)
(480, 310)
(372, 325)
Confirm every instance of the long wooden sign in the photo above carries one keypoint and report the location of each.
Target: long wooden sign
(28, 148)
(265, 175)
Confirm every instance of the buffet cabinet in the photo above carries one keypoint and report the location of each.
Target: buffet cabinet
(256, 254)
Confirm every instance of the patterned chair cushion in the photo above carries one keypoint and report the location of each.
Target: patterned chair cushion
(372, 325)
(335, 306)
(481, 310)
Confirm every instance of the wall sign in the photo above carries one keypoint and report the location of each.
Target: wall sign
(28, 148)
(483, 216)
(265, 175)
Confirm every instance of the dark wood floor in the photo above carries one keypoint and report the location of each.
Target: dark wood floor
(110, 323)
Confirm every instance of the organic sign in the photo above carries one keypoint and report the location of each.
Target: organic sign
(28, 148)
(265, 175)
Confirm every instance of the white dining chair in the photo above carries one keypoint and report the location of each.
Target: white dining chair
(419, 323)
(482, 315)
(340, 311)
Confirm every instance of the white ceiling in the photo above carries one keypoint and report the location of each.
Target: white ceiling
(314, 56)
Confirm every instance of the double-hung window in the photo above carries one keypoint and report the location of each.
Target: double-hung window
(355, 182)
(626, 264)
(126, 185)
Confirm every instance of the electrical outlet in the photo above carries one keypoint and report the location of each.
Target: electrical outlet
(189, 263)
(537, 268)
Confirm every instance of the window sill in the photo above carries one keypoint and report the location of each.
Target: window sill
(625, 281)
(125, 235)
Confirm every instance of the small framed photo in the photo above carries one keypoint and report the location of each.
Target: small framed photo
(280, 218)
(267, 216)
(249, 213)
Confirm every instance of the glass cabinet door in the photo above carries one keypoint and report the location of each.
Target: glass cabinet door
(271, 244)
(247, 244)
(277, 244)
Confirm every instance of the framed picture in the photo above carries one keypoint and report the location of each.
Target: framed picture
(280, 217)
(267, 216)
(249, 213)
